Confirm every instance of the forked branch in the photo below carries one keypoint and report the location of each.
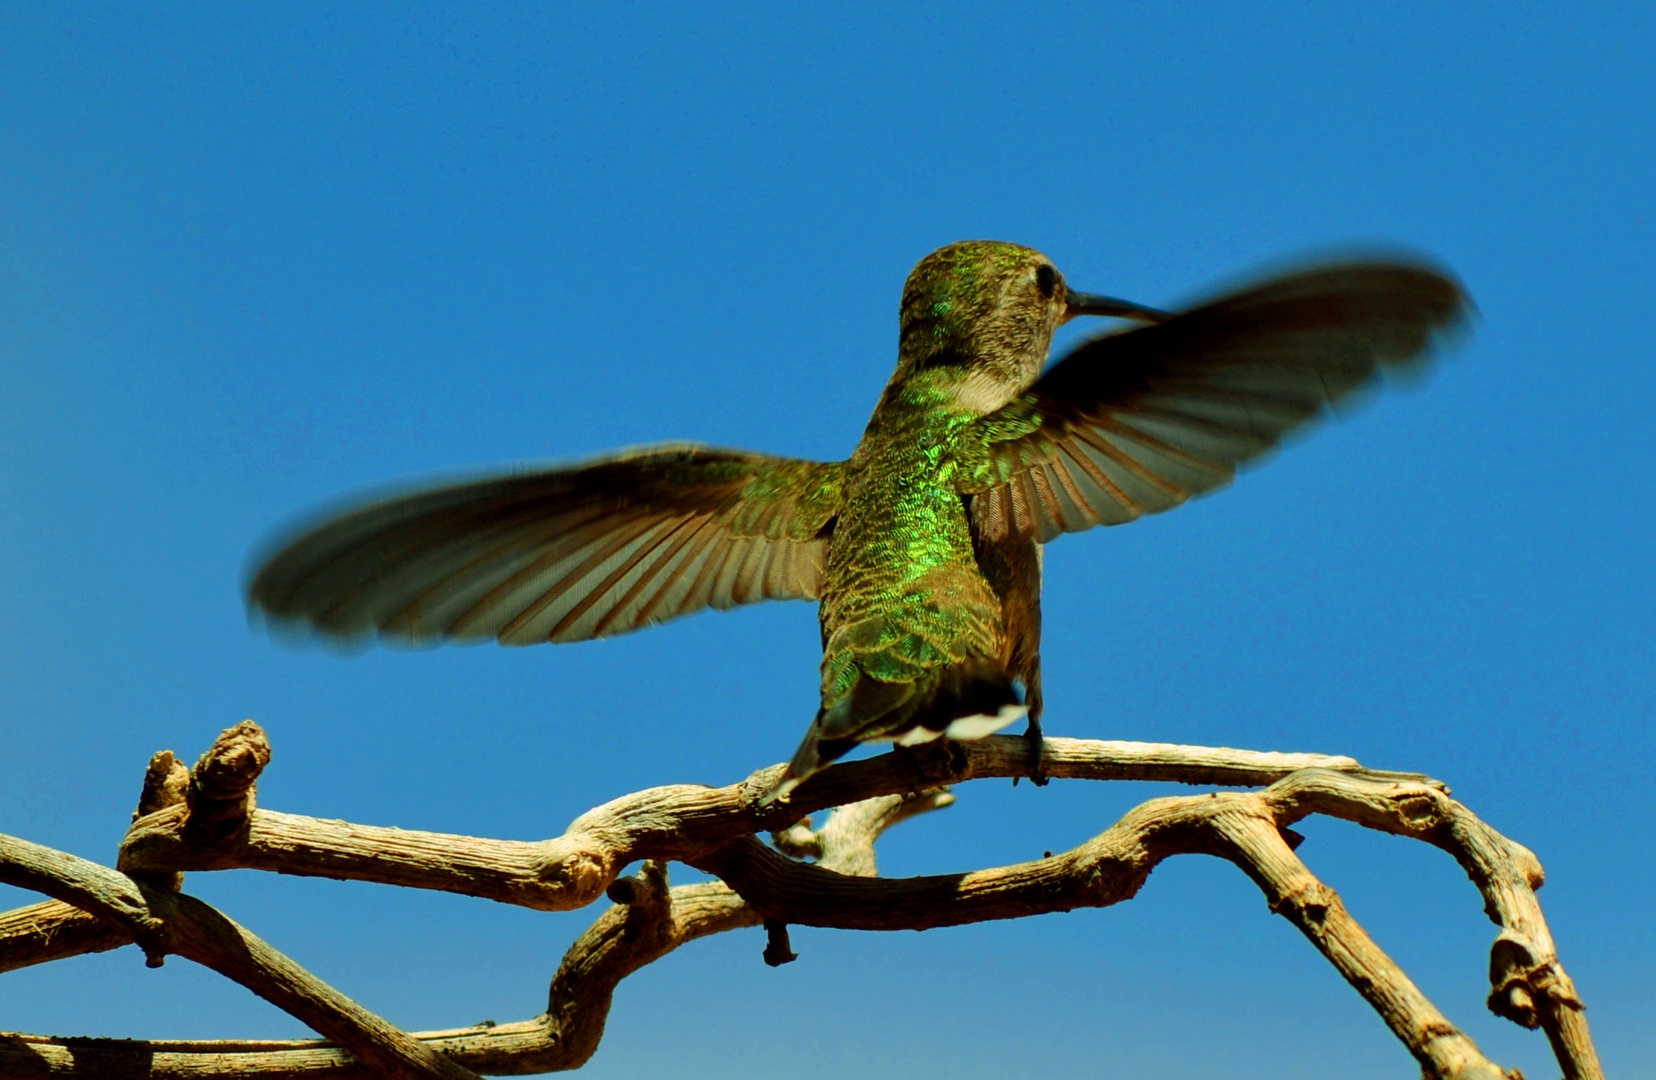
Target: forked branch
(206, 819)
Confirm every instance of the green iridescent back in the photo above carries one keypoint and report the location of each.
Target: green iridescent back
(905, 600)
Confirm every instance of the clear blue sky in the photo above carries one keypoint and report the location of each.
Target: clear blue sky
(255, 258)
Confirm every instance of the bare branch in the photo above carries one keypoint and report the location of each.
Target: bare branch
(1245, 828)
(713, 828)
(164, 923)
(846, 842)
(651, 922)
(622, 940)
(53, 931)
(676, 822)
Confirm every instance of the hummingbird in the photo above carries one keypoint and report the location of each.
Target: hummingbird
(923, 549)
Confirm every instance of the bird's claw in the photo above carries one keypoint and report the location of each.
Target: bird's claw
(1037, 762)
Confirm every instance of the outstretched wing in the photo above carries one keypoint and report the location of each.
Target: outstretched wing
(1137, 422)
(564, 554)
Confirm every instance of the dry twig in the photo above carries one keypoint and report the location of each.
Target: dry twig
(207, 819)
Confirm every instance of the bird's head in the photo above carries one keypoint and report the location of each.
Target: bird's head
(978, 317)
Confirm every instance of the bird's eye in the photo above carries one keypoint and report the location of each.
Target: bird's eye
(1046, 279)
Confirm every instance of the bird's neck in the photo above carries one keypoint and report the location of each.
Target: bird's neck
(971, 378)
(917, 416)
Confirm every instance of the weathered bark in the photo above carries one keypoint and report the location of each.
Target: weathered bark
(53, 931)
(675, 822)
(207, 820)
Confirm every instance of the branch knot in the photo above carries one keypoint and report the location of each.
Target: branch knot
(1310, 900)
(221, 794)
(1523, 980)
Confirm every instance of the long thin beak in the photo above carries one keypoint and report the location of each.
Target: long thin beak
(1080, 303)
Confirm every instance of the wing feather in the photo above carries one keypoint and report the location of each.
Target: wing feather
(663, 559)
(594, 599)
(1138, 422)
(535, 607)
(561, 554)
(667, 590)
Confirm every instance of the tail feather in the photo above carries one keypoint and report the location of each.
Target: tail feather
(814, 754)
(982, 725)
(967, 701)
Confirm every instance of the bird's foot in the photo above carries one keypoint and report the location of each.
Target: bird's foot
(1037, 763)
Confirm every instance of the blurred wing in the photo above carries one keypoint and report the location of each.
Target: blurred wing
(565, 554)
(1137, 422)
